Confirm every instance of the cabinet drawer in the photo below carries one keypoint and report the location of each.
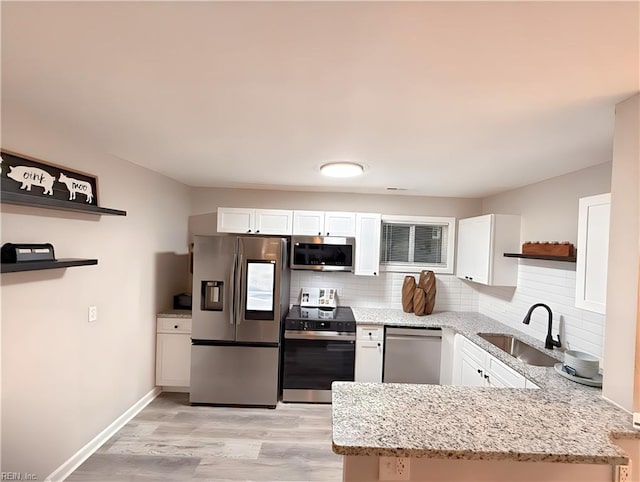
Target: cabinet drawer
(474, 351)
(174, 325)
(370, 333)
(510, 377)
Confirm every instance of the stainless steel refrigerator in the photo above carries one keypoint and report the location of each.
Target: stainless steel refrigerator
(240, 296)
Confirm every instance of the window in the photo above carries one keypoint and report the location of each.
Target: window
(414, 243)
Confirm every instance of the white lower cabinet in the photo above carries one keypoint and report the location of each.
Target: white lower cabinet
(369, 353)
(474, 367)
(173, 352)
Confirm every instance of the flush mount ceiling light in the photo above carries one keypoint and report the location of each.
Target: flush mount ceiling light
(342, 169)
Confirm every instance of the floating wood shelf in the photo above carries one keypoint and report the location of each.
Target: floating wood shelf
(569, 259)
(50, 203)
(39, 265)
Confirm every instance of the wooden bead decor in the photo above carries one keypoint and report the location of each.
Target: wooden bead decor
(408, 288)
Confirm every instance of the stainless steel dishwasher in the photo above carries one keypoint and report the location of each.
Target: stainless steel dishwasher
(412, 355)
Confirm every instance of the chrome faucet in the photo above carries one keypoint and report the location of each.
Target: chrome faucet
(549, 342)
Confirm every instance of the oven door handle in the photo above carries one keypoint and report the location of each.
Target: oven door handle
(318, 335)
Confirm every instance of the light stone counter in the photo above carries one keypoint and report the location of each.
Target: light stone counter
(175, 314)
(562, 422)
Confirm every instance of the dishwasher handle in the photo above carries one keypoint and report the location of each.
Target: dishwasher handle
(412, 333)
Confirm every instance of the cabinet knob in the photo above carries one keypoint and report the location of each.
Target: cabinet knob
(175, 326)
(249, 231)
(378, 344)
(328, 234)
(319, 233)
(486, 377)
(375, 273)
(479, 371)
(257, 231)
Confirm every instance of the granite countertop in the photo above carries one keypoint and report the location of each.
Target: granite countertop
(174, 314)
(562, 422)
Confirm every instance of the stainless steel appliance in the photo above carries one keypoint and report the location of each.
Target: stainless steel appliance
(322, 253)
(412, 355)
(319, 348)
(240, 295)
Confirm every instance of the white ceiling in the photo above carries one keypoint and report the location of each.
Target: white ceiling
(444, 99)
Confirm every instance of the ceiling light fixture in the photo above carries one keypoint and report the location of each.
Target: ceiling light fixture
(342, 169)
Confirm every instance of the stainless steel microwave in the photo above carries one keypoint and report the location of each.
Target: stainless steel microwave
(323, 253)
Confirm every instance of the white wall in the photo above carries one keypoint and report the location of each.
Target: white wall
(549, 211)
(64, 380)
(622, 287)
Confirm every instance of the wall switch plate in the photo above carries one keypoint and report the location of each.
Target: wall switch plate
(93, 314)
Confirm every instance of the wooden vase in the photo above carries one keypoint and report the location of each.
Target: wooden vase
(419, 301)
(408, 288)
(428, 284)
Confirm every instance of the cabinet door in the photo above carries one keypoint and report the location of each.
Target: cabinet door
(308, 223)
(337, 223)
(593, 253)
(471, 373)
(368, 244)
(368, 361)
(173, 359)
(274, 221)
(236, 220)
(474, 248)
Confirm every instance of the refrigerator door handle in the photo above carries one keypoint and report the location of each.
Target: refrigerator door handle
(232, 283)
(239, 290)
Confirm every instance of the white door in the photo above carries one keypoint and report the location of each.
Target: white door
(308, 223)
(338, 223)
(471, 373)
(236, 220)
(593, 252)
(368, 361)
(368, 228)
(173, 359)
(274, 221)
(474, 248)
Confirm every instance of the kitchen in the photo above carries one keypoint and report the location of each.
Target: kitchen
(93, 373)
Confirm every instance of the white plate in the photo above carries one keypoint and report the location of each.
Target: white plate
(592, 382)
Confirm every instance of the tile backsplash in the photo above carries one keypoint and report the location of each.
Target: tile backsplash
(546, 282)
(384, 291)
(554, 284)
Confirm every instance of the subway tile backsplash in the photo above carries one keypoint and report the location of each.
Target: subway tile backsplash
(547, 282)
(384, 291)
(552, 283)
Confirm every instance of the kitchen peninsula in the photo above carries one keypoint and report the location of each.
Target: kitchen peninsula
(563, 431)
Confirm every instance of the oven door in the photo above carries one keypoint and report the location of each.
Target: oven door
(312, 361)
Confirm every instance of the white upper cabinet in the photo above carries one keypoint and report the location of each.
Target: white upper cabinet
(482, 242)
(255, 221)
(368, 226)
(308, 223)
(338, 223)
(593, 252)
(321, 223)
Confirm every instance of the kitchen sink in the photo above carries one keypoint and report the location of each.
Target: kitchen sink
(519, 349)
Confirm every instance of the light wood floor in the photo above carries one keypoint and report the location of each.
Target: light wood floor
(173, 441)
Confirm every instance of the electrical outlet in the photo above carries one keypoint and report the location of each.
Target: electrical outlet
(393, 468)
(622, 473)
(93, 313)
(402, 468)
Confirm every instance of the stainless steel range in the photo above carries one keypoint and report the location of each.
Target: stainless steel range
(319, 348)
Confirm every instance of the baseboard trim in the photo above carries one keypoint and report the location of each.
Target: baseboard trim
(62, 472)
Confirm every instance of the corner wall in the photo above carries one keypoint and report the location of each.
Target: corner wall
(622, 279)
(63, 379)
(549, 211)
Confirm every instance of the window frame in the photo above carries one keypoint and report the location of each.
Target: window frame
(450, 222)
